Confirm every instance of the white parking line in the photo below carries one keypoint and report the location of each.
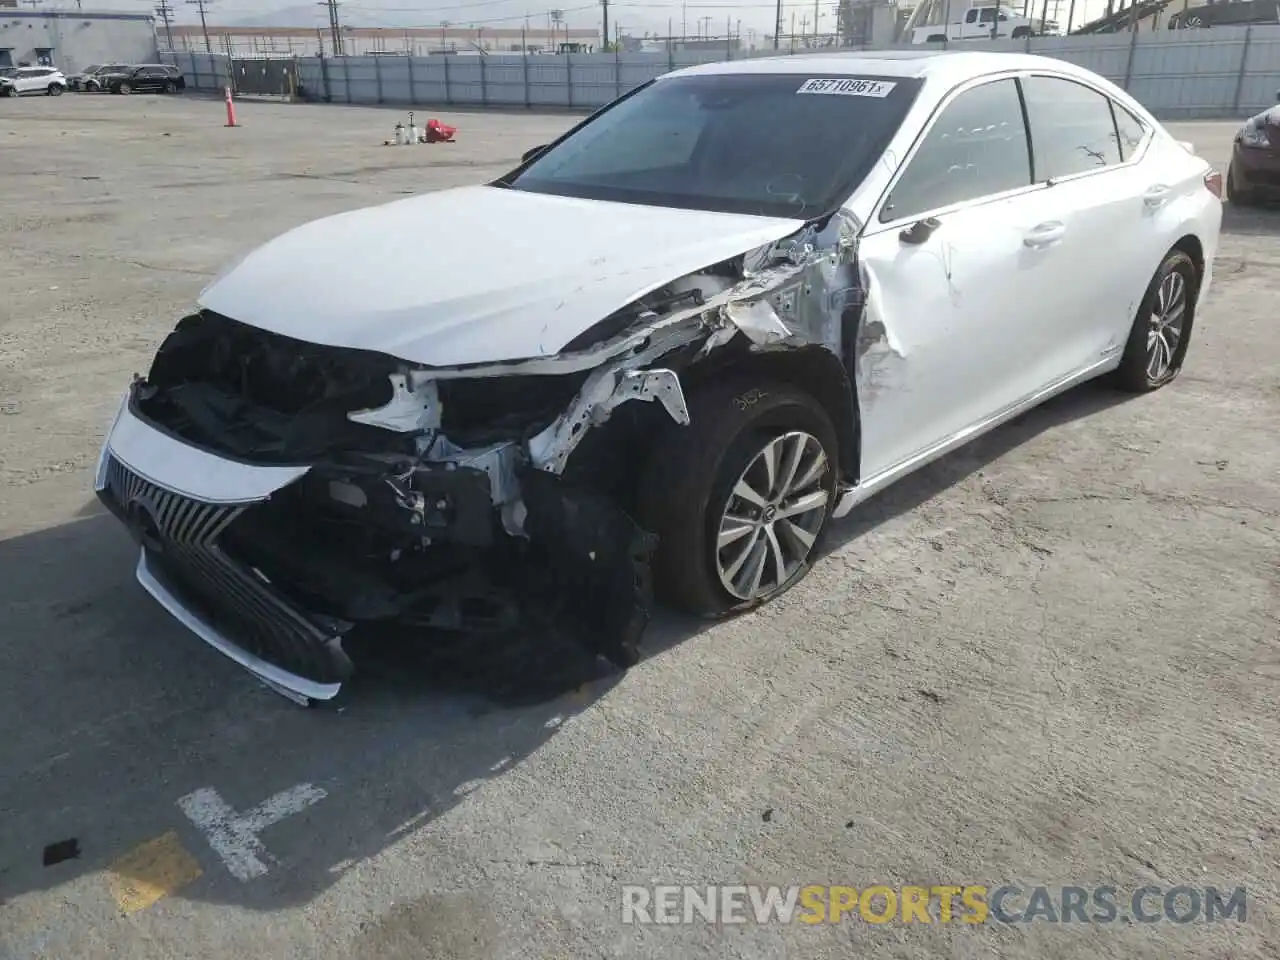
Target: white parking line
(234, 836)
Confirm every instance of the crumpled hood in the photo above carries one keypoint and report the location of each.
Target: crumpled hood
(475, 274)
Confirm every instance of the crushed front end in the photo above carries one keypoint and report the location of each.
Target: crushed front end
(288, 496)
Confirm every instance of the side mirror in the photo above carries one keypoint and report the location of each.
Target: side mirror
(532, 152)
(920, 231)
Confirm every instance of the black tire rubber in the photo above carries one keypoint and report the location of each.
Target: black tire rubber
(686, 484)
(1020, 32)
(170, 87)
(124, 89)
(1235, 196)
(55, 90)
(1131, 375)
(937, 38)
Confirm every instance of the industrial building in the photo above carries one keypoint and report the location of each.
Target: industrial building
(74, 39)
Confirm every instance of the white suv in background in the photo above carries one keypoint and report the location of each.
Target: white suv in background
(25, 80)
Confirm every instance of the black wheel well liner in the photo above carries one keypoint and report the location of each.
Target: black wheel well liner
(812, 368)
(1193, 248)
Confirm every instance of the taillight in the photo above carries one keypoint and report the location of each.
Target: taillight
(1213, 183)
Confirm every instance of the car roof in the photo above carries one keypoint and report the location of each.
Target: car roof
(948, 65)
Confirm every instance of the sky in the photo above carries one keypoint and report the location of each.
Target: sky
(636, 17)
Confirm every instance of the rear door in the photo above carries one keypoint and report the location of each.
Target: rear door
(1101, 202)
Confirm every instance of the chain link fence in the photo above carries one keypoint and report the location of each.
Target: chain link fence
(1177, 74)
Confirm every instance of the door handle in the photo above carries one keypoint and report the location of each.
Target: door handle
(1044, 234)
(1157, 196)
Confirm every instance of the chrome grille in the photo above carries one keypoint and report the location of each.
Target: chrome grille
(181, 536)
(182, 521)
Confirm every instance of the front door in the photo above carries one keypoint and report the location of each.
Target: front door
(954, 282)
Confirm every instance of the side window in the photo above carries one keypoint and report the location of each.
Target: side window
(971, 16)
(976, 148)
(1133, 132)
(1071, 127)
(987, 16)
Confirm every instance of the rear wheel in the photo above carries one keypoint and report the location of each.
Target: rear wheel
(1020, 32)
(55, 89)
(125, 89)
(170, 87)
(1162, 330)
(740, 497)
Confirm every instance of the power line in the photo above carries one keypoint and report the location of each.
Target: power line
(202, 6)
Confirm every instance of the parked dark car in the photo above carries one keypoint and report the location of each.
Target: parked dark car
(92, 77)
(1254, 174)
(148, 78)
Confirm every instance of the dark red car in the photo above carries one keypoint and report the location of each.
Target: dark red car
(1254, 173)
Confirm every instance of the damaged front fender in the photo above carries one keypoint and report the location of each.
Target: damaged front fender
(606, 390)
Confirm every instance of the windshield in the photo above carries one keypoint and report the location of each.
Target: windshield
(93, 68)
(779, 145)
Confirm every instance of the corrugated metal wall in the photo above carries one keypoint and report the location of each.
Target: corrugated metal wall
(1177, 74)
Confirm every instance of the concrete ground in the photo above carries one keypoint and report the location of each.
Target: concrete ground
(1048, 659)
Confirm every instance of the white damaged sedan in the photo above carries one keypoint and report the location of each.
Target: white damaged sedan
(666, 351)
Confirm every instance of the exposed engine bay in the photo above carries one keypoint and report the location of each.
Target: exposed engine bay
(478, 498)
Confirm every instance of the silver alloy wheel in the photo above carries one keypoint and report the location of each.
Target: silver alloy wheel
(1165, 331)
(775, 511)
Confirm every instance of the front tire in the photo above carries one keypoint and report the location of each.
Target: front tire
(1162, 329)
(170, 87)
(55, 89)
(1237, 196)
(740, 497)
(124, 89)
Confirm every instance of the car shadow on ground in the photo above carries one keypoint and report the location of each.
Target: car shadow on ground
(114, 713)
(1262, 220)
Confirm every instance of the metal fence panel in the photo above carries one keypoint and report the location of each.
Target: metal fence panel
(1224, 71)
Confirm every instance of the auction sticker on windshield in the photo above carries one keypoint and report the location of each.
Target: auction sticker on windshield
(849, 88)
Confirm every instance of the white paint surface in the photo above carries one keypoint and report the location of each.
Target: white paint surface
(474, 274)
(234, 836)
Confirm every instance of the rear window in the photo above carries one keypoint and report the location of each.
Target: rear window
(780, 145)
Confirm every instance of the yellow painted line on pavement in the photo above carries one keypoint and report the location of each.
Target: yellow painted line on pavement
(150, 872)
